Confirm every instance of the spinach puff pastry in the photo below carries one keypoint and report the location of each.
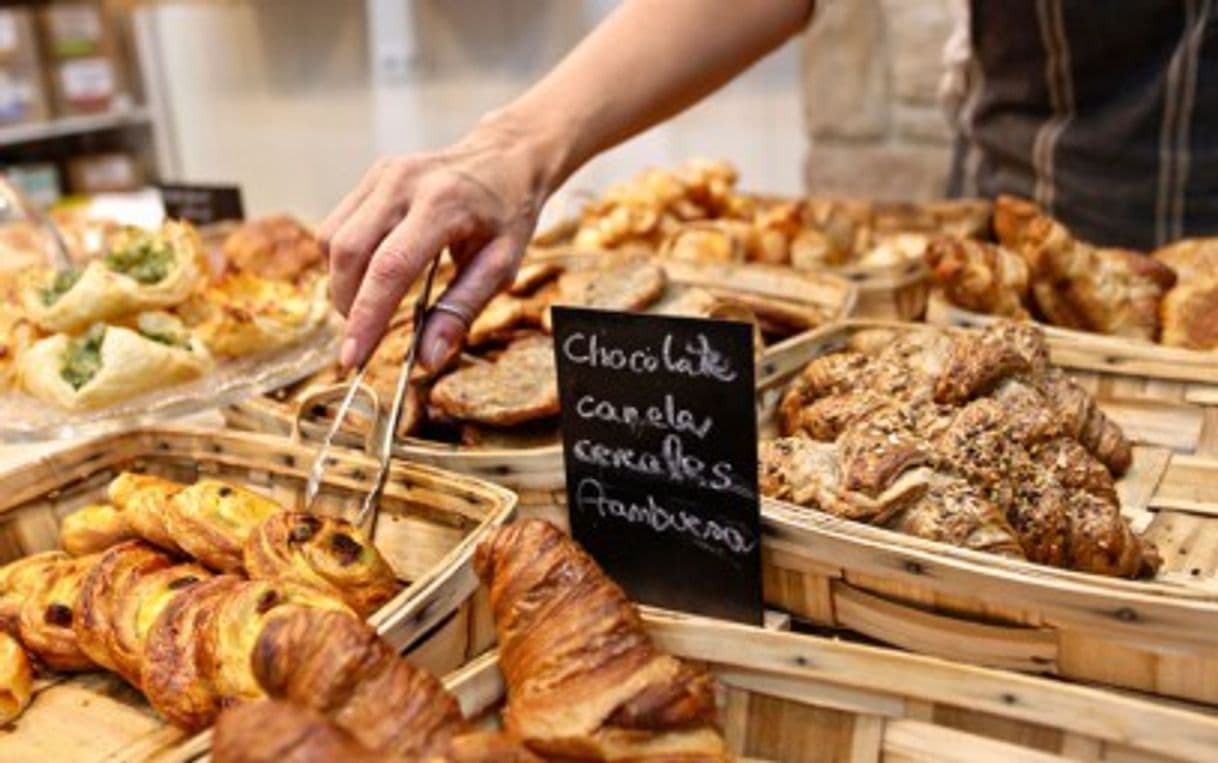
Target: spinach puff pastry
(143, 271)
(107, 364)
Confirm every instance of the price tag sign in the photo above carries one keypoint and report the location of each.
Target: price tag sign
(202, 204)
(659, 426)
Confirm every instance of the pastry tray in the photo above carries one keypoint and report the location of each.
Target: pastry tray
(24, 418)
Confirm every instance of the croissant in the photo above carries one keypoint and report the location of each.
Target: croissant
(18, 582)
(584, 679)
(1110, 291)
(335, 664)
(48, 615)
(979, 276)
(226, 643)
(326, 552)
(272, 731)
(93, 528)
(16, 679)
(142, 271)
(114, 572)
(138, 605)
(144, 499)
(211, 521)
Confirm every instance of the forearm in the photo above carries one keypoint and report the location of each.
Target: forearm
(646, 62)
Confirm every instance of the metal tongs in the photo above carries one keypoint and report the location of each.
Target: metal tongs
(367, 511)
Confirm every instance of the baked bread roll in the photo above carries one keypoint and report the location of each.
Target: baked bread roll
(142, 271)
(245, 314)
(137, 605)
(584, 679)
(105, 365)
(144, 501)
(626, 283)
(16, 679)
(328, 553)
(49, 614)
(335, 664)
(93, 528)
(212, 521)
(18, 582)
(113, 574)
(1193, 259)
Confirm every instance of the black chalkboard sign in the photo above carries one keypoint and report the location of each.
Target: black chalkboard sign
(202, 204)
(659, 432)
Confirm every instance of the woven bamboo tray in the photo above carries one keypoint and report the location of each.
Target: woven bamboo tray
(430, 523)
(536, 473)
(1155, 636)
(804, 699)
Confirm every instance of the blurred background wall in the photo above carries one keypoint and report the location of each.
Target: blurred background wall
(294, 98)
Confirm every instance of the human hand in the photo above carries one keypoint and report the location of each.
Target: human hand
(480, 198)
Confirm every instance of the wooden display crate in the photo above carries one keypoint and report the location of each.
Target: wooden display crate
(804, 699)
(430, 523)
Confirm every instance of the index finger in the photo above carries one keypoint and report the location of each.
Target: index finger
(395, 265)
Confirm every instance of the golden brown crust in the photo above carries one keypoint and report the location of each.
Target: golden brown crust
(582, 674)
(19, 580)
(1192, 259)
(628, 284)
(138, 603)
(49, 614)
(16, 679)
(271, 731)
(93, 528)
(212, 520)
(520, 385)
(979, 276)
(1109, 291)
(326, 552)
(335, 664)
(226, 643)
(171, 676)
(1189, 314)
(115, 571)
(144, 501)
(1011, 218)
(275, 246)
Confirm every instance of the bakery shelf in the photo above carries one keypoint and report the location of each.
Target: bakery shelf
(77, 125)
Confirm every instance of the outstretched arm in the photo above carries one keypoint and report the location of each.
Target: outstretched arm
(481, 197)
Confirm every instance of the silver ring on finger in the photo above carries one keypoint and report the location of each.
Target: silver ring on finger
(460, 312)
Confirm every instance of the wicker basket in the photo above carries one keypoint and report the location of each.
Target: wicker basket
(430, 523)
(1155, 636)
(805, 699)
(536, 473)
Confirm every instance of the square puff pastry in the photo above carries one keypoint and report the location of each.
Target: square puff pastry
(103, 294)
(131, 363)
(244, 313)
